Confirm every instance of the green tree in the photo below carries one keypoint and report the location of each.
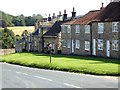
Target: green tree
(25, 33)
(17, 37)
(7, 39)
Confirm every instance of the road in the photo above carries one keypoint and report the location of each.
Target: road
(14, 76)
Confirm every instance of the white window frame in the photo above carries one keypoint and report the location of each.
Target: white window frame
(28, 38)
(100, 27)
(39, 30)
(77, 28)
(63, 43)
(87, 45)
(35, 43)
(100, 44)
(64, 28)
(115, 45)
(68, 28)
(115, 26)
(68, 44)
(77, 44)
(87, 28)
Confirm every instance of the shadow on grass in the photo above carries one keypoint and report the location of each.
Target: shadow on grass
(104, 60)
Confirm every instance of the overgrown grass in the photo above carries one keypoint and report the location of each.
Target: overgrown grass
(88, 65)
(18, 30)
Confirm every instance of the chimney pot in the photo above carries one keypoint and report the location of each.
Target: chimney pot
(59, 12)
(73, 13)
(65, 11)
(73, 9)
(102, 6)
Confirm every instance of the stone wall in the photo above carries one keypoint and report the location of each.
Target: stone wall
(6, 51)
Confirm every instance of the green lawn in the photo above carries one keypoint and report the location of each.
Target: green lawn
(89, 65)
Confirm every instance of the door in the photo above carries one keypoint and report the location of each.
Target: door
(72, 46)
(108, 48)
(94, 47)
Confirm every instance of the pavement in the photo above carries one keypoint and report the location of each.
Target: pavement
(15, 76)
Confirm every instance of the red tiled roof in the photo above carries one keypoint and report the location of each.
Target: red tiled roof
(88, 18)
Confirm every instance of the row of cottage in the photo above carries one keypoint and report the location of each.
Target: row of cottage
(96, 33)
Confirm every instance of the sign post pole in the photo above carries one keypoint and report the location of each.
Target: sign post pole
(50, 46)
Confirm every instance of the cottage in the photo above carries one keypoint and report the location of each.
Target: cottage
(53, 36)
(76, 34)
(20, 46)
(106, 32)
(36, 37)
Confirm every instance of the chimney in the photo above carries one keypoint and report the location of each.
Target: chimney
(64, 15)
(102, 6)
(53, 17)
(49, 18)
(59, 17)
(73, 13)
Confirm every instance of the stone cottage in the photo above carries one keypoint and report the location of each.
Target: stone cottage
(106, 32)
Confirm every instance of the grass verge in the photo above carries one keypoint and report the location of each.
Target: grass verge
(79, 64)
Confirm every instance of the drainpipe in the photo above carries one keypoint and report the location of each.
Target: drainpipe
(71, 39)
(91, 40)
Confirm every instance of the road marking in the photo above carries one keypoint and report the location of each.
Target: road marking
(22, 73)
(43, 78)
(71, 85)
(18, 72)
(9, 70)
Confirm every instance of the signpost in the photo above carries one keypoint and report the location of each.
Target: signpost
(50, 47)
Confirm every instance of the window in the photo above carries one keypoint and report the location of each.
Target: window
(68, 29)
(115, 26)
(64, 29)
(77, 44)
(35, 43)
(68, 44)
(100, 27)
(87, 28)
(100, 44)
(28, 38)
(115, 45)
(87, 45)
(39, 30)
(63, 43)
(77, 28)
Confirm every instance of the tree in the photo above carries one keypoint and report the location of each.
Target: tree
(7, 38)
(25, 33)
(17, 37)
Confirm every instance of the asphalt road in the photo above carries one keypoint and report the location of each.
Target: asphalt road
(14, 76)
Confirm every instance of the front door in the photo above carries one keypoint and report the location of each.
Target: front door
(108, 48)
(72, 46)
(94, 47)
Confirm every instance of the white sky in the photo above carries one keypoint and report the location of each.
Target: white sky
(30, 7)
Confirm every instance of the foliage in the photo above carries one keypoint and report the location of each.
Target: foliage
(79, 64)
(25, 33)
(20, 20)
(5, 19)
(17, 37)
(7, 38)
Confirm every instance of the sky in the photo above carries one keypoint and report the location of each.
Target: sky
(46, 7)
